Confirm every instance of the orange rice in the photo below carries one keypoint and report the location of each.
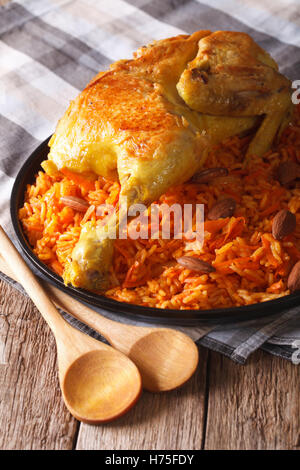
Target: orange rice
(251, 266)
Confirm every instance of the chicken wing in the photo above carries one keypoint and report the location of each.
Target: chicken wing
(231, 75)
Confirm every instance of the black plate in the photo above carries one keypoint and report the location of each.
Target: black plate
(26, 176)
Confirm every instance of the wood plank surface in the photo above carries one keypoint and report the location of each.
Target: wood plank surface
(172, 420)
(32, 412)
(256, 406)
(224, 406)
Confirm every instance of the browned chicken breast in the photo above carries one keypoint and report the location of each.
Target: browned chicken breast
(149, 122)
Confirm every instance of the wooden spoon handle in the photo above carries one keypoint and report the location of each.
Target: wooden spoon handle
(30, 283)
(95, 320)
(117, 334)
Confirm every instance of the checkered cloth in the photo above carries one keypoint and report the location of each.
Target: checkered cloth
(50, 49)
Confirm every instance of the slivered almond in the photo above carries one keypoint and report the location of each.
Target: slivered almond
(284, 223)
(287, 172)
(75, 203)
(222, 209)
(209, 174)
(195, 264)
(293, 282)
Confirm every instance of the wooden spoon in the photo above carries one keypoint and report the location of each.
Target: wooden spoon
(98, 383)
(166, 358)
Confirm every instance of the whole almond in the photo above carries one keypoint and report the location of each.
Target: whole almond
(287, 172)
(195, 264)
(293, 282)
(222, 209)
(209, 174)
(284, 223)
(75, 203)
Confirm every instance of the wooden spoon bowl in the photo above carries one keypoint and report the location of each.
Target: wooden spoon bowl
(93, 379)
(166, 359)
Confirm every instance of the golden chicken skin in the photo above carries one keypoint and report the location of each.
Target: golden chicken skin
(150, 122)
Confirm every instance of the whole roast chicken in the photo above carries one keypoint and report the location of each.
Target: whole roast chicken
(150, 122)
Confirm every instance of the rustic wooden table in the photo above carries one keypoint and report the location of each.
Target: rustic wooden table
(224, 406)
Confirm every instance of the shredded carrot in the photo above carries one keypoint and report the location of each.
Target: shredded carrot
(235, 228)
(214, 226)
(87, 183)
(270, 209)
